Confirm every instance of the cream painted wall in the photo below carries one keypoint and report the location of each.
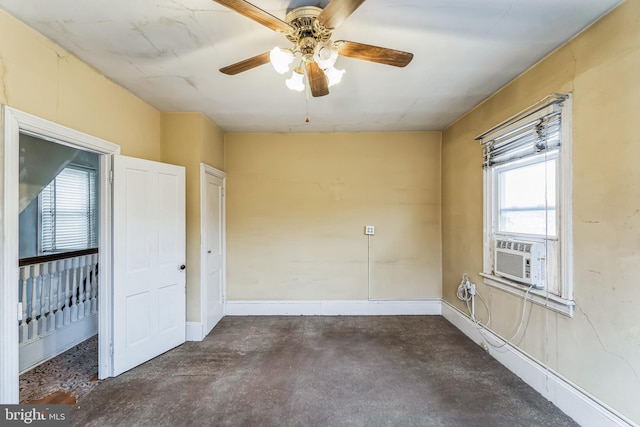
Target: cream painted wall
(39, 77)
(599, 349)
(212, 151)
(297, 205)
(189, 139)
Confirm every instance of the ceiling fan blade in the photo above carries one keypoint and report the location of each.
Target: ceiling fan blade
(317, 80)
(247, 64)
(366, 52)
(252, 12)
(337, 11)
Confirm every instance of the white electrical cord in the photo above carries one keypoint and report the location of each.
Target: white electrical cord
(462, 293)
(487, 307)
(515, 334)
(369, 267)
(467, 291)
(546, 272)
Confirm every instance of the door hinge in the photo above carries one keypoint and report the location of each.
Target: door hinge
(110, 177)
(223, 192)
(19, 311)
(111, 349)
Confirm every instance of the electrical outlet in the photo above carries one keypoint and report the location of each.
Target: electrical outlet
(369, 230)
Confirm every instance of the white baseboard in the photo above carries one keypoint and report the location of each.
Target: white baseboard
(39, 351)
(584, 408)
(333, 308)
(195, 331)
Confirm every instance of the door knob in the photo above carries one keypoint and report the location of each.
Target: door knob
(182, 267)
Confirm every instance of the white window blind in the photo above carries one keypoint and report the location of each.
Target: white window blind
(526, 192)
(530, 134)
(68, 211)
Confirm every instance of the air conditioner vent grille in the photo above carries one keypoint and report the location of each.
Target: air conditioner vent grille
(523, 261)
(510, 264)
(514, 246)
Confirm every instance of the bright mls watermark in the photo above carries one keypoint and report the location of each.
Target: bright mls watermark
(34, 415)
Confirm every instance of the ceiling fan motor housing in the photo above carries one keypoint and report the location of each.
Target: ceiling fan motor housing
(306, 32)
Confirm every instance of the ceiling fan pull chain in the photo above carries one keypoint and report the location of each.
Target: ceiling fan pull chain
(307, 119)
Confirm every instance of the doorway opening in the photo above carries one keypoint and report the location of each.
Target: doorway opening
(42, 302)
(58, 249)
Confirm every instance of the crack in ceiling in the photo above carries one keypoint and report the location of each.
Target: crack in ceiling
(168, 52)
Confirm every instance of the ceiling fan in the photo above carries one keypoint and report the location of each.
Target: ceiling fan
(309, 29)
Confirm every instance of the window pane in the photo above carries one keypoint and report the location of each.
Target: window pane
(527, 201)
(68, 211)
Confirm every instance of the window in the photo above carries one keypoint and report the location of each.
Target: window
(527, 209)
(68, 211)
(527, 202)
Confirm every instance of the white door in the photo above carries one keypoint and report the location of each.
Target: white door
(149, 313)
(213, 222)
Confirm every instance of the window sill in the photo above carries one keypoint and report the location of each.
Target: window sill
(537, 296)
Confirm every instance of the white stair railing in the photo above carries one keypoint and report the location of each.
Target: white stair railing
(56, 292)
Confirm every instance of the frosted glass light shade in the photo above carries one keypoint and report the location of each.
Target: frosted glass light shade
(333, 75)
(280, 59)
(295, 82)
(326, 56)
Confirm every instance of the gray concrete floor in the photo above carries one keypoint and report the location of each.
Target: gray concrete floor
(321, 371)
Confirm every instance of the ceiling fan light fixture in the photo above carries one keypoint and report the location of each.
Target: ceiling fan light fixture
(334, 76)
(326, 55)
(309, 29)
(295, 82)
(280, 59)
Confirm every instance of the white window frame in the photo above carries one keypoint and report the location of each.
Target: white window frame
(562, 303)
(93, 222)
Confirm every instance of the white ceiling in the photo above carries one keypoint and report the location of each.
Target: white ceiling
(168, 53)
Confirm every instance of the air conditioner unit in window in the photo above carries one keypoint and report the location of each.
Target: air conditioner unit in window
(521, 261)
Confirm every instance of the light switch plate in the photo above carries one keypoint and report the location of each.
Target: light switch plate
(369, 230)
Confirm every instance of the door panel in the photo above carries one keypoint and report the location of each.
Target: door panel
(136, 210)
(169, 214)
(149, 312)
(170, 319)
(137, 306)
(214, 244)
